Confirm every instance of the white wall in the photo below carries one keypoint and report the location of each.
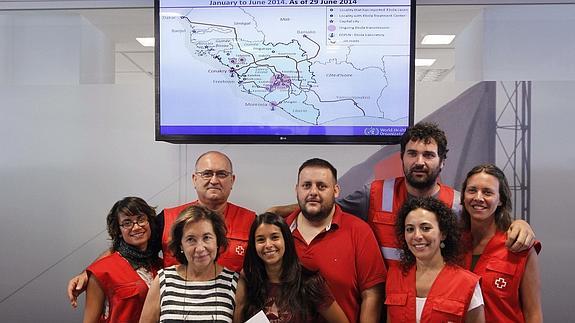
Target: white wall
(553, 178)
(530, 43)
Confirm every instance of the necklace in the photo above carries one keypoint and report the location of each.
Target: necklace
(186, 314)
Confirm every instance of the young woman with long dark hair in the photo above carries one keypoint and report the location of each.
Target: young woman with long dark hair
(276, 283)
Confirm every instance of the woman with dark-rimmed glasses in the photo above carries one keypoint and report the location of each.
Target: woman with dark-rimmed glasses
(119, 282)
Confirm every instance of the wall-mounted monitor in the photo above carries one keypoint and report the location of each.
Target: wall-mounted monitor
(284, 71)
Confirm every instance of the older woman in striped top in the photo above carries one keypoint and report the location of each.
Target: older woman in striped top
(198, 289)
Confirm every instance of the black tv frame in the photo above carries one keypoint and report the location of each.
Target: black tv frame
(279, 138)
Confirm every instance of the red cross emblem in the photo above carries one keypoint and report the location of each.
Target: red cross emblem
(500, 283)
(240, 250)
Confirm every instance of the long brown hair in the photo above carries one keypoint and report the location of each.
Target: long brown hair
(503, 211)
(301, 290)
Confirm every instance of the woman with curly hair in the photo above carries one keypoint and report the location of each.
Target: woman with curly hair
(510, 281)
(276, 283)
(119, 282)
(428, 285)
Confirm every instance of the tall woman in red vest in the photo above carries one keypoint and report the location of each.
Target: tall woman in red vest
(118, 283)
(428, 285)
(510, 281)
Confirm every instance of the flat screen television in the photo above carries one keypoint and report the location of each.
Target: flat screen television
(284, 71)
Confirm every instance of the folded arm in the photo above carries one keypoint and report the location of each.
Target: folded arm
(77, 285)
(151, 310)
(95, 298)
(530, 290)
(520, 236)
(371, 299)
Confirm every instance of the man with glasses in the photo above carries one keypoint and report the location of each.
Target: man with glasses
(213, 179)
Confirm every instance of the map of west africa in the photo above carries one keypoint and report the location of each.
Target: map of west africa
(301, 69)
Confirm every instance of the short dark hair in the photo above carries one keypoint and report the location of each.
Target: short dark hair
(426, 131)
(447, 225)
(129, 206)
(503, 211)
(192, 214)
(320, 163)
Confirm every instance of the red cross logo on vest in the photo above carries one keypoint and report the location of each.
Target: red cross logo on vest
(500, 283)
(240, 250)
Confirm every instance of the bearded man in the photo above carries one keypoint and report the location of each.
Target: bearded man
(423, 154)
(338, 245)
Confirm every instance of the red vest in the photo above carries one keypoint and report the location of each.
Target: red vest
(501, 272)
(124, 288)
(447, 301)
(238, 222)
(385, 200)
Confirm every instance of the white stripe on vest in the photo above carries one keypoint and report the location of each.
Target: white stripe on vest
(456, 206)
(391, 253)
(387, 195)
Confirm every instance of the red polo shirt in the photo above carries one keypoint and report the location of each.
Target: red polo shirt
(346, 255)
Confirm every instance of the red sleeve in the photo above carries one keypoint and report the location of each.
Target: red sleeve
(369, 260)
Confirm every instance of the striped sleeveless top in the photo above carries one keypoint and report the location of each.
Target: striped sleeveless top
(196, 301)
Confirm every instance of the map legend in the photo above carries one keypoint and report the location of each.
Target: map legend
(371, 26)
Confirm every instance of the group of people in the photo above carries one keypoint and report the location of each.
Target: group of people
(410, 246)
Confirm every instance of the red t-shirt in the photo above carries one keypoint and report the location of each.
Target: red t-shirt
(347, 256)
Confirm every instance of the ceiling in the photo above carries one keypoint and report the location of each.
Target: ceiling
(135, 62)
(440, 20)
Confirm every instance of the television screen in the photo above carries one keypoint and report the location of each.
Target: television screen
(284, 71)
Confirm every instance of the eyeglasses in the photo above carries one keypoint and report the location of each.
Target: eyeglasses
(142, 220)
(208, 174)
